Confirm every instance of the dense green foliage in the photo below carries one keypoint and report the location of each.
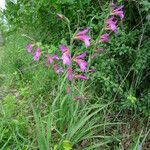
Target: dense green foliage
(108, 111)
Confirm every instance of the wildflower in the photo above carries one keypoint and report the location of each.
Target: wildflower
(50, 59)
(111, 24)
(81, 56)
(82, 77)
(37, 54)
(82, 63)
(70, 74)
(83, 37)
(55, 57)
(57, 69)
(66, 55)
(63, 48)
(29, 48)
(104, 37)
(118, 12)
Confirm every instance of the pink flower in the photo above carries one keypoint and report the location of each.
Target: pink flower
(37, 54)
(50, 59)
(68, 90)
(66, 55)
(29, 47)
(55, 57)
(118, 12)
(81, 56)
(63, 48)
(111, 24)
(104, 37)
(83, 37)
(66, 58)
(70, 74)
(57, 69)
(82, 77)
(82, 63)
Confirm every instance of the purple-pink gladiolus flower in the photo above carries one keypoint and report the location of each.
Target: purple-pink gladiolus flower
(37, 54)
(84, 37)
(104, 37)
(70, 74)
(58, 69)
(29, 48)
(63, 48)
(82, 77)
(118, 12)
(81, 56)
(50, 59)
(82, 63)
(111, 24)
(66, 55)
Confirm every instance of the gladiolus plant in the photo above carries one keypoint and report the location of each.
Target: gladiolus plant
(76, 64)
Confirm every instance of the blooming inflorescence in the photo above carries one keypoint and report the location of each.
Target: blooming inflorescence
(80, 59)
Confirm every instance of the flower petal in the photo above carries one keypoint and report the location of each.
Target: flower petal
(81, 56)
(57, 69)
(111, 24)
(82, 77)
(63, 48)
(49, 60)
(66, 59)
(29, 47)
(83, 32)
(104, 37)
(118, 12)
(37, 54)
(55, 57)
(82, 64)
(83, 37)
